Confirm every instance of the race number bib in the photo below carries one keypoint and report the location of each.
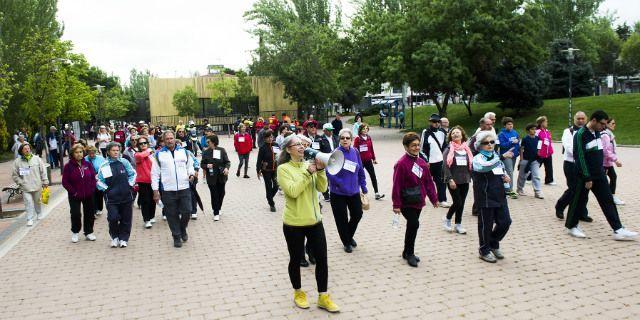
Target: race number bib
(539, 145)
(461, 160)
(350, 166)
(106, 171)
(315, 145)
(546, 142)
(217, 154)
(24, 172)
(417, 170)
(364, 148)
(498, 171)
(240, 139)
(275, 149)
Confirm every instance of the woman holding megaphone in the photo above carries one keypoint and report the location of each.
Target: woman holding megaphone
(302, 219)
(345, 191)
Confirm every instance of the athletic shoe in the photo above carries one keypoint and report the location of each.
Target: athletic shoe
(379, 196)
(446, 224)
(460, 229)
(300, 299)
(194, 216)
(177, 243)
(354, 243)
(238, 173)
(272, 208)
(552, 183)
(539, 195)
(444, 204)
(164, 218)
(617, 201)
(623, 234)
(497, 253)
(489, 257)
(216, 217)
(246, 176)
(153, 220)
(324, 302)
(29, 222)
(512, 195)
(90, 237)
(123, 244)
(185, 237)
(406, 257)
(304, 263)
(521, 193)
(559, 214)
(74, 238)
(348, 248)
(99, 213)
(39, 217)
(412, 261)
(576, 232)
(147, 225)
(114, 242)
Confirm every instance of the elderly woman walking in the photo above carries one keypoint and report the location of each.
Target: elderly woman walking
(79, 179)
(30, 176)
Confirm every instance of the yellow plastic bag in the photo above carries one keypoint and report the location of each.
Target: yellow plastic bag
(45, 195)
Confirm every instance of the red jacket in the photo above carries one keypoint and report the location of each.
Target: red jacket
(365, 147)
(143, 166)
(119, 137)
(273, 124)
(405, 178)
(245, 146)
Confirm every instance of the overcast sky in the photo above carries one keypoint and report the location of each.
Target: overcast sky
(177, 38)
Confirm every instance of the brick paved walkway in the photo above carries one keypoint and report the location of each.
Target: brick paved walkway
(237, 268)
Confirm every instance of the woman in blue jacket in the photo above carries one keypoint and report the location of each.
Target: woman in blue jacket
(345, 189)
(509, 151)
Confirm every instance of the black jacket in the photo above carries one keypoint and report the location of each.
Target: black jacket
(337, 126)
(324, 143)
(588, 154)
(488, 190)
(267, 158)
(214, 175)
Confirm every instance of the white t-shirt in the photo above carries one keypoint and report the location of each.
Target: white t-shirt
(435, 154)
(104, 136)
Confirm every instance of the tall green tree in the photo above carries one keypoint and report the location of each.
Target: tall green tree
(558, 67)
(186, 101)
(245, 97)
(5, 96)
(562, 19)
(631, 51)
(223, 91)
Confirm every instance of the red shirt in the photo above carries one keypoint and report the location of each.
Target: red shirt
(365, 146)
(242, 147)
(143, 166)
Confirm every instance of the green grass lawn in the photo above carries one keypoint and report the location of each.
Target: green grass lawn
(625, 108)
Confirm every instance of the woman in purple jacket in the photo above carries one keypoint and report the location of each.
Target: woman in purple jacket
(412, 182)
(79, 179)
(345, 189)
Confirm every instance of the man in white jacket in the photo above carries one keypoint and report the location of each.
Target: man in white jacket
(171, 173)
(434, 141)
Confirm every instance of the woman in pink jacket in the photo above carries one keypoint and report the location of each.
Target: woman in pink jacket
(364, 144)
(611, 158)
(143, 161)
(545, 149)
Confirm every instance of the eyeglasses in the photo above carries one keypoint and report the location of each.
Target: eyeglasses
(486, 143)
(143, 142)
(299, 144)
(345, 138)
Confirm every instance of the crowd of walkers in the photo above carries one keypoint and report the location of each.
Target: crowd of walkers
(160, 168)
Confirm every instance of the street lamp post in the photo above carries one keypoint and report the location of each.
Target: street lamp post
(98, 109)
(570, 58)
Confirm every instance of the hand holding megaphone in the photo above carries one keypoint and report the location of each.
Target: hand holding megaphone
(332, 161)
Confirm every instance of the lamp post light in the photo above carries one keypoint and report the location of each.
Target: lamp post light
(570, 59)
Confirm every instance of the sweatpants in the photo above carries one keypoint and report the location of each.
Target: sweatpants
(32, 204)
(459, 196)
(217, 193)
(525, 166)
(493, 224)
(244, 158)
(571, 175)
(147, 205)
(270, 186)
(413, 216)
(509, 164)
(436, 173)
(603, 194)
(76, 216)
(368, 165)
(98, 200)
(119, 217)
(177, 207)
(346, 227)
(317, 243)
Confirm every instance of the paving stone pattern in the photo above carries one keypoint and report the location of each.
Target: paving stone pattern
(237, 268)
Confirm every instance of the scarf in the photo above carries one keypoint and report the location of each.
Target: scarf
(486, 161)
(453, 147)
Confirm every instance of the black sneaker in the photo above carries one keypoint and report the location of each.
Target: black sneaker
(413, 261)
(586, 219)
(246, 176)
(404, 256)
(238, 173)
(304, 263)
(560, 215)
(177, 242)
(353, 243)
(348, 248)
(272, 208)
(185, 237)
(312, 259)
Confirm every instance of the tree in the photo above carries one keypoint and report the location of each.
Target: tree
(186, 101)
(558, 69)
(517, 87)
(245, 97)
(139, 84)
(5, 96)
(631, 51)
(223, 91)
(116, 104)
(624, 31)
(562, 19)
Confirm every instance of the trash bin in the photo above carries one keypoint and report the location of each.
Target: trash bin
(48, 166)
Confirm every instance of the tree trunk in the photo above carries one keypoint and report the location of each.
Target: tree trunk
(442, 107)
(467, 103)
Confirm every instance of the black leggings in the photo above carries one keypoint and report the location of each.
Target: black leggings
(346, 227)
(436, 174)
(548, 169)
(613, 178)
(217, 196)
(368, 165)
(412, 215)
(147, 205)
(244, 158)
(459, 195)
(318, 244)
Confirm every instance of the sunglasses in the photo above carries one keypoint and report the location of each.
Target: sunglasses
(345, 138)
(486, 143)
(143, 142)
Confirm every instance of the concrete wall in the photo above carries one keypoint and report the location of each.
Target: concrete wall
(161, 91)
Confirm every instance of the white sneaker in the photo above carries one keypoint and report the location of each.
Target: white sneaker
(460, 229)
(623, 234)
(164, 218)
(552, 183)
(91, 237)
(39, 217)
(446, 224)
(114, 242)
(29, 222)
(444, 204)
(216, 218)
(194, 216)
(521, 193)
(123, 244)
(153, 220)
(74, 238)
(99, 213)
(617, 201)
(538, 195)
(147, 225)
(576, 232)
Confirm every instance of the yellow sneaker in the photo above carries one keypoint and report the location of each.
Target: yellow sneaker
(324, 302)
(300, 298)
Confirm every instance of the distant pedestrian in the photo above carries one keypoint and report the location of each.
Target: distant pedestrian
(266, 165)
(528, 162)
(53, 142)
(144, 162)
(29, 174)
(433, 142)
(215, 165)
(96, 160)
(337, 124)
(79, 179)
(545, 149)
(243, 144)
(364, 144)
(611, 158)
(457, 175)
(382, 115)
(103, 139)
(357, 121)
(509, 150)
